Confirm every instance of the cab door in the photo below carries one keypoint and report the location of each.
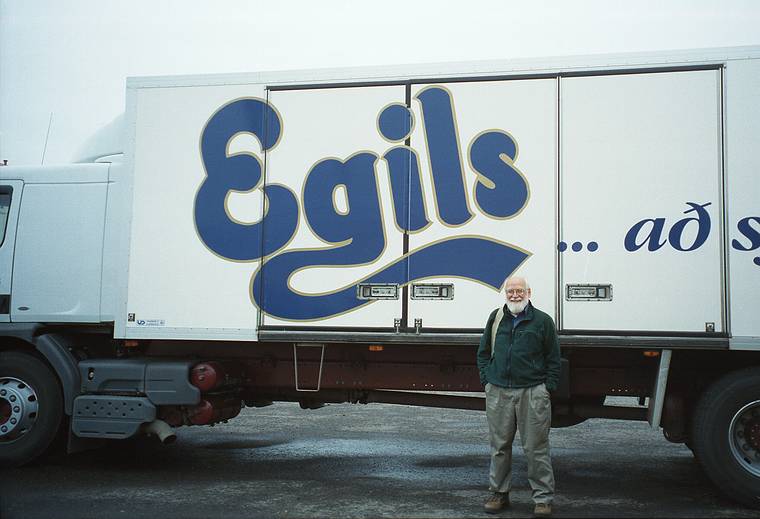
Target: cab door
(10, 200)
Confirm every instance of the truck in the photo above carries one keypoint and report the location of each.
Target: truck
(333, 236)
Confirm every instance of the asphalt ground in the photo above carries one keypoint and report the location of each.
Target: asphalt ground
(360, 461)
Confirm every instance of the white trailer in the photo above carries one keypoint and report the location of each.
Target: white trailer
(322, 235)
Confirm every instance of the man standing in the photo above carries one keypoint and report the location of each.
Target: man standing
(519, 364)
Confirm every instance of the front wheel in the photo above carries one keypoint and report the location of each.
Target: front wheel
(726, 435)
(31, 407)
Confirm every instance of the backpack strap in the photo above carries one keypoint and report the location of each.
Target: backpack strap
(495, 326)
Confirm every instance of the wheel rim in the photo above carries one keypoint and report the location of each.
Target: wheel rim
(18, 408)
(744, 437)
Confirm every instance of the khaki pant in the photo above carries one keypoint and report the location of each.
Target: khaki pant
(529, 411)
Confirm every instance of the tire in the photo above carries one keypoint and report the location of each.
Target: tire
(726, 435)
(31, 407)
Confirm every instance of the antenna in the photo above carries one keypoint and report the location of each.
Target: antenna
(44, 150)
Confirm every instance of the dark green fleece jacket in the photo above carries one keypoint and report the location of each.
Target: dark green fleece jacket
(524, 356)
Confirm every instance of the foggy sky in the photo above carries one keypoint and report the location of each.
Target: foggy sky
(63, 64)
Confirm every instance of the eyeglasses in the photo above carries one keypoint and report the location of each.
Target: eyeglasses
(516, 291)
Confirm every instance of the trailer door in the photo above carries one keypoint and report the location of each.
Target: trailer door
(641, 213)
(487, 162)
(338, 268)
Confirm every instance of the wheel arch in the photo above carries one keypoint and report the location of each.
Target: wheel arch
(53, 349)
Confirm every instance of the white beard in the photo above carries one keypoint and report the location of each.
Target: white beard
(516, 308)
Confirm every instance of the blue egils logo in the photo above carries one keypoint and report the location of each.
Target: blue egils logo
(357, 236)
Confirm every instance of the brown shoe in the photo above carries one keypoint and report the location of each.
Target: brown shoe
(497, 502)
(542, 510)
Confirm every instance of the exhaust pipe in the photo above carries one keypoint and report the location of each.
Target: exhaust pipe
(160, 429)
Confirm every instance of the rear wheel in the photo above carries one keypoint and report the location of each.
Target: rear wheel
(31, 407)
(726, 435)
